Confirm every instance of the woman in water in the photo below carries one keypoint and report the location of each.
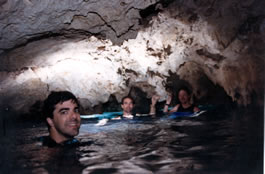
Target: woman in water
(185, 104)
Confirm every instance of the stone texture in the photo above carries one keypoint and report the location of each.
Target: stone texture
(32, 19)
(100, 48)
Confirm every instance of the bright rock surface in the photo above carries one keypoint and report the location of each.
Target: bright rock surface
(49, 45)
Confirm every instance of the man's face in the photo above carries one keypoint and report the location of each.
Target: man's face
(183, 97)
(66, 120)
(127, 106)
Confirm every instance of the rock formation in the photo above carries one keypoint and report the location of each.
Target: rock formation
(98, 49)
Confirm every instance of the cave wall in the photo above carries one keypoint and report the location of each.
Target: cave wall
(101, 48)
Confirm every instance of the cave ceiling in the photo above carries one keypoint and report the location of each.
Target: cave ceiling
(98, 48)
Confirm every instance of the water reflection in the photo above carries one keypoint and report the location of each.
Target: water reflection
(212, 143)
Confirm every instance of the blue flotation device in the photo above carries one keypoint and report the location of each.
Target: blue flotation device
(104, 115)
(186, 114)
(180, 114)
(110, 115)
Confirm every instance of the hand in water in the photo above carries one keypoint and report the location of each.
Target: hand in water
(102, 122)
(117, 118)
(128, 116)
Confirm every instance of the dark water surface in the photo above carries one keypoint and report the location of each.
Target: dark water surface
(223, 143)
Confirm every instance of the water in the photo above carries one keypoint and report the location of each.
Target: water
(223, 143)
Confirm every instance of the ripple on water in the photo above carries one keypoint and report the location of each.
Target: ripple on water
(190, 145)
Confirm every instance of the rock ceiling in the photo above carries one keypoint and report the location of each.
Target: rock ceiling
(97, 48)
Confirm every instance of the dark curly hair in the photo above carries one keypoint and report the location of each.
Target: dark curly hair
(184, 88)
(54, 98)
(122, 100)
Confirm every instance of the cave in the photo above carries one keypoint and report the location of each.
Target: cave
(102, 51)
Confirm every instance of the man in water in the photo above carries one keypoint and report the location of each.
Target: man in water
(127, 105)
(185, 105)
(62, 115)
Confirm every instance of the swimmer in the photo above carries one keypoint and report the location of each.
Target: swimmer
(62, 115)
(185, 105)
(127, 105)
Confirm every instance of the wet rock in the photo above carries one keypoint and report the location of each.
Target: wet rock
(98, 49)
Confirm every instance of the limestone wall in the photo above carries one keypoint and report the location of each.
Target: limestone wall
(99, 48)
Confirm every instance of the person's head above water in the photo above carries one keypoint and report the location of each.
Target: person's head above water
(127, 104)
(184, 95)
(185, 103)
(61, 111)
